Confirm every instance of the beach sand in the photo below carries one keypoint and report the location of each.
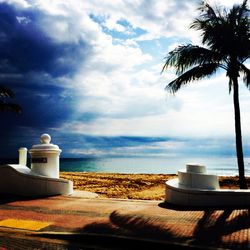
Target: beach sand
(131, 186)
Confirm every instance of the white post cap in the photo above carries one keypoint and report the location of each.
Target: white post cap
(45, 139)
(45, 145)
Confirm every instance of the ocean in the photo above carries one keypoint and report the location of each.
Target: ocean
(156, 165)
(215, 165)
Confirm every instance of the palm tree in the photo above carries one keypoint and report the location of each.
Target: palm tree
(6, 106)
(226, 45)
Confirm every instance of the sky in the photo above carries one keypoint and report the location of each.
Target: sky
(89, 74)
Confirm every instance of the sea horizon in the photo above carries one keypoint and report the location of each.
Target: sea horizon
(223, 166)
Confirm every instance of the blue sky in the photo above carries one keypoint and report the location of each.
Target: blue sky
(89, 73)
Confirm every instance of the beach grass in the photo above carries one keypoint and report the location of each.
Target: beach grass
(131, 186)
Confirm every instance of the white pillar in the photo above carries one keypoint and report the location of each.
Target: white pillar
(45, 157)
(23, 156)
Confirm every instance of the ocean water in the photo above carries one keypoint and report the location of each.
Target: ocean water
(160, 165)
(215, 165)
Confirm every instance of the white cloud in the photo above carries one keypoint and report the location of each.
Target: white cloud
(228, 3)
(152, 149)
(121, 83)
(202, 109)
(18, 3)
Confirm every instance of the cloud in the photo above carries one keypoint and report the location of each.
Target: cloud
(32, 63)
(24, 47)
(121, 146)
(155, 18)
(132, 146)
(93, 68)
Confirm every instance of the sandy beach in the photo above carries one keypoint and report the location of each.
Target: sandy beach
(131, 186)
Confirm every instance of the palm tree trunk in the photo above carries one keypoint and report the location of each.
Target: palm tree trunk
(238, 137)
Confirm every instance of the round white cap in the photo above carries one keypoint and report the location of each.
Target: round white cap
(195, 168)
(45, 139)
(45, 145)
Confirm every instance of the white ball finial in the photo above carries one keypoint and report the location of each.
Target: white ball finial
(45, 139)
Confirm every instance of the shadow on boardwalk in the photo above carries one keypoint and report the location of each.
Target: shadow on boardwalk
(138, 232)
(216, 228)
(226, 228)
(131, 225)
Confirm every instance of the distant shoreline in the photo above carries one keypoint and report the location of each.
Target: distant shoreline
(132, 186)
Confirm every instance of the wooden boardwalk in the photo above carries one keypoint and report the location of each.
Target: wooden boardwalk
(67, 221)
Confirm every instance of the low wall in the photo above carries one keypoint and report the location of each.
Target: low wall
(180, 195)
(19, 180)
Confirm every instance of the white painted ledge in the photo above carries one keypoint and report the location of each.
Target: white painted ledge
(20, 180)
(178, 194)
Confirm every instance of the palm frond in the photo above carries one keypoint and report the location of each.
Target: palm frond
(226, 36)
(239, 27)
(208, 17)
(6, 106)
(243, 10)
(225, 32)
(10, 107)
(246, 75)
(6, 92)
(186, 56)
(207, 11)
(230, 84)
(196, 73)
(212, 30)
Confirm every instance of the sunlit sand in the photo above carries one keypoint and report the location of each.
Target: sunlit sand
(132, 186)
